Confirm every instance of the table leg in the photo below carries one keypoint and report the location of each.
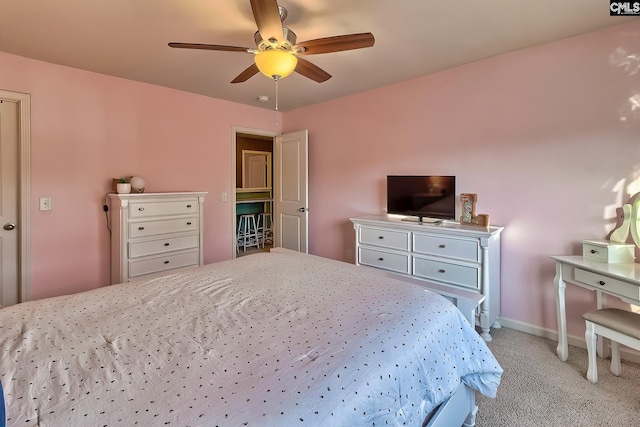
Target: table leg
(602, 348)
(563, 346)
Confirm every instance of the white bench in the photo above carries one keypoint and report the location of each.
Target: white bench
(620, 326)
(466, 300)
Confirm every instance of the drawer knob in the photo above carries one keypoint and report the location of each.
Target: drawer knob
(441, 271)
(188, 222)
(166, 262)
(380, 259)
(593, 251)
(166, 244)
(601, 283)
(380, 237)
(140, 228)
(188, 206)
(140, 209)
(442, 246)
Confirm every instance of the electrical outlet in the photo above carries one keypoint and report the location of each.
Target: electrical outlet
(45, 203)
(349, 254)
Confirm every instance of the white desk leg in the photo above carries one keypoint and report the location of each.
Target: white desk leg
(563, 346)
(601, 348)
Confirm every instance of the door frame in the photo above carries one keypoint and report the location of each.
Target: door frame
(24, 191)
(235, 130)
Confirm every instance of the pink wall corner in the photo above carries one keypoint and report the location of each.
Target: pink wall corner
(88, 128)
(546, 136)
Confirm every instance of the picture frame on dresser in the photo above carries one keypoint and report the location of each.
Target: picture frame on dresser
(155, 232)
(452, 255)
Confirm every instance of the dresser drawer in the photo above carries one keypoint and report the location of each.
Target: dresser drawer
(382, 259)
(168, 262)
(608, 284)
(458, 274)
(159, 246)
(385, 238)
(148, 208)
(152, 228)
(447, 247)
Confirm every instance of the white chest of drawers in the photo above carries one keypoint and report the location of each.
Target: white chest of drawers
(448, 253)
(154, 232)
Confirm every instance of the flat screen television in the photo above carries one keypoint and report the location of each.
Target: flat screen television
(425, 197)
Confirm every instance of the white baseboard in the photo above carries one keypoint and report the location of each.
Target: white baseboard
(625, 352)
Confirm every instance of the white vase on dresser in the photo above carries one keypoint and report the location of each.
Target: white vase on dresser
(446, 253)
(155, 232)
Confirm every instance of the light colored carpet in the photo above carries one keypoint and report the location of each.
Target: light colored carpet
(537, 389)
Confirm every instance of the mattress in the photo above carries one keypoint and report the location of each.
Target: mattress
(270, 339)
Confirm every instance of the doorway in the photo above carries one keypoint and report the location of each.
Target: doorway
(288, 195)
(15, 286)
(253, 193)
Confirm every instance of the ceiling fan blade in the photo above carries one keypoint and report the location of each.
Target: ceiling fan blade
(251, 71)
(267, 17)
(209, 47)
(311, 71)
(335, 44)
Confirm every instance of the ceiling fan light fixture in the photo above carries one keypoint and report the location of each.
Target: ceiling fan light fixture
(276, 64)
(276, 53)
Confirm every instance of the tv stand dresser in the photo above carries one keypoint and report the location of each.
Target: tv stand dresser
(446, 253)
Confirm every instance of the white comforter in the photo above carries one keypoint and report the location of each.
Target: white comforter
(275, 339)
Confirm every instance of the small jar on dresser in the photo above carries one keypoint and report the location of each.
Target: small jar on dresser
(155, 232)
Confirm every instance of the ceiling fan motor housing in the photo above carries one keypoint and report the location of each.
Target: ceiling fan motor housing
(288, 41)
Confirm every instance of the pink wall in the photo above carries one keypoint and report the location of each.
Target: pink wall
(543, 136)
(88, 128)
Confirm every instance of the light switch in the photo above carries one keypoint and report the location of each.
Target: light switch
(223, 197)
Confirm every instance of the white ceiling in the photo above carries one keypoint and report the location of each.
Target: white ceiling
(128, 38)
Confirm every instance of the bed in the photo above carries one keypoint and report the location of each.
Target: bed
(270, 339)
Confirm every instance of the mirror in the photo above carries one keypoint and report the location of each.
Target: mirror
(256, 169)
(627, 229)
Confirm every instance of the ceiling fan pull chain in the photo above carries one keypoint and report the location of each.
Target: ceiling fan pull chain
(277, 115)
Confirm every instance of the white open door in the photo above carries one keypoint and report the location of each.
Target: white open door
(9, 278)
(15, 195)
(291, 202)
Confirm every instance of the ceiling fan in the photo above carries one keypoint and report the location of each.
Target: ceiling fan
(277, 54)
